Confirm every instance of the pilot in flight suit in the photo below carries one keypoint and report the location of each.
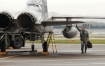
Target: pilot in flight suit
(84, 37)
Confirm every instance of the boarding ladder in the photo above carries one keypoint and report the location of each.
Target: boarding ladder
(50, 39)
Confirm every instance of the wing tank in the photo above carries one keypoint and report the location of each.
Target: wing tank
(69, 32)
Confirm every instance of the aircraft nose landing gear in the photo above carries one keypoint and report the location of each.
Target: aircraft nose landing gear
(32, 39)
(33, 47)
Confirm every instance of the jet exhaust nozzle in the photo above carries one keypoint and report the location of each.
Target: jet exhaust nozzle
(26, 21)
(6, 20)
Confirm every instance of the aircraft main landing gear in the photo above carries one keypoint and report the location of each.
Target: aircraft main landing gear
(45, 48)
(3, 48)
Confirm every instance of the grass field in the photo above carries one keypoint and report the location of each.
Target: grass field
(69, 41)
(78, 37)
(72, 42)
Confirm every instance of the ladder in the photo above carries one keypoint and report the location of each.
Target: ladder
(50, 39)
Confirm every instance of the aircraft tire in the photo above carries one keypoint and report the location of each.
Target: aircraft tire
(45, 47)
(2, 41)
(17, 43)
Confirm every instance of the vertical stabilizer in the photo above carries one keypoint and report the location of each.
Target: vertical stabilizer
(44, 9)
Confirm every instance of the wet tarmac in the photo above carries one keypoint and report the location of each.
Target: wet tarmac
(67, 55)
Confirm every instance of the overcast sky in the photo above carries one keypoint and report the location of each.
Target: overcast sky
(67, 7)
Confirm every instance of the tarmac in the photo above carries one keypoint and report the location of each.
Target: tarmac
(67, 55)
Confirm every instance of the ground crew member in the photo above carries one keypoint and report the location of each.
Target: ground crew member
(84, 37)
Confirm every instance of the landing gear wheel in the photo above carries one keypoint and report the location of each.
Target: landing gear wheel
(45, 47)
(17, 43)
(3, 42)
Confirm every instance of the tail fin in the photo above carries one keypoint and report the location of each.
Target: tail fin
(44, 9)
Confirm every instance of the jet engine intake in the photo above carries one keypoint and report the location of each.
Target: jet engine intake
(26, 21)
(69, 32)
(6, 20)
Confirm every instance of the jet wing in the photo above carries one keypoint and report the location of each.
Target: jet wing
(54, 15)
(51, 23)
(59, 17)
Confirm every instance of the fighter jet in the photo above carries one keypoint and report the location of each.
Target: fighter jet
(35, 21)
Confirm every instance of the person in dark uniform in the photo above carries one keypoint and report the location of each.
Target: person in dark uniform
(84, 37)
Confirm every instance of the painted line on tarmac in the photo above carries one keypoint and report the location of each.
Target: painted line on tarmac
(65, 64)
(8, 57)
(99, 63)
